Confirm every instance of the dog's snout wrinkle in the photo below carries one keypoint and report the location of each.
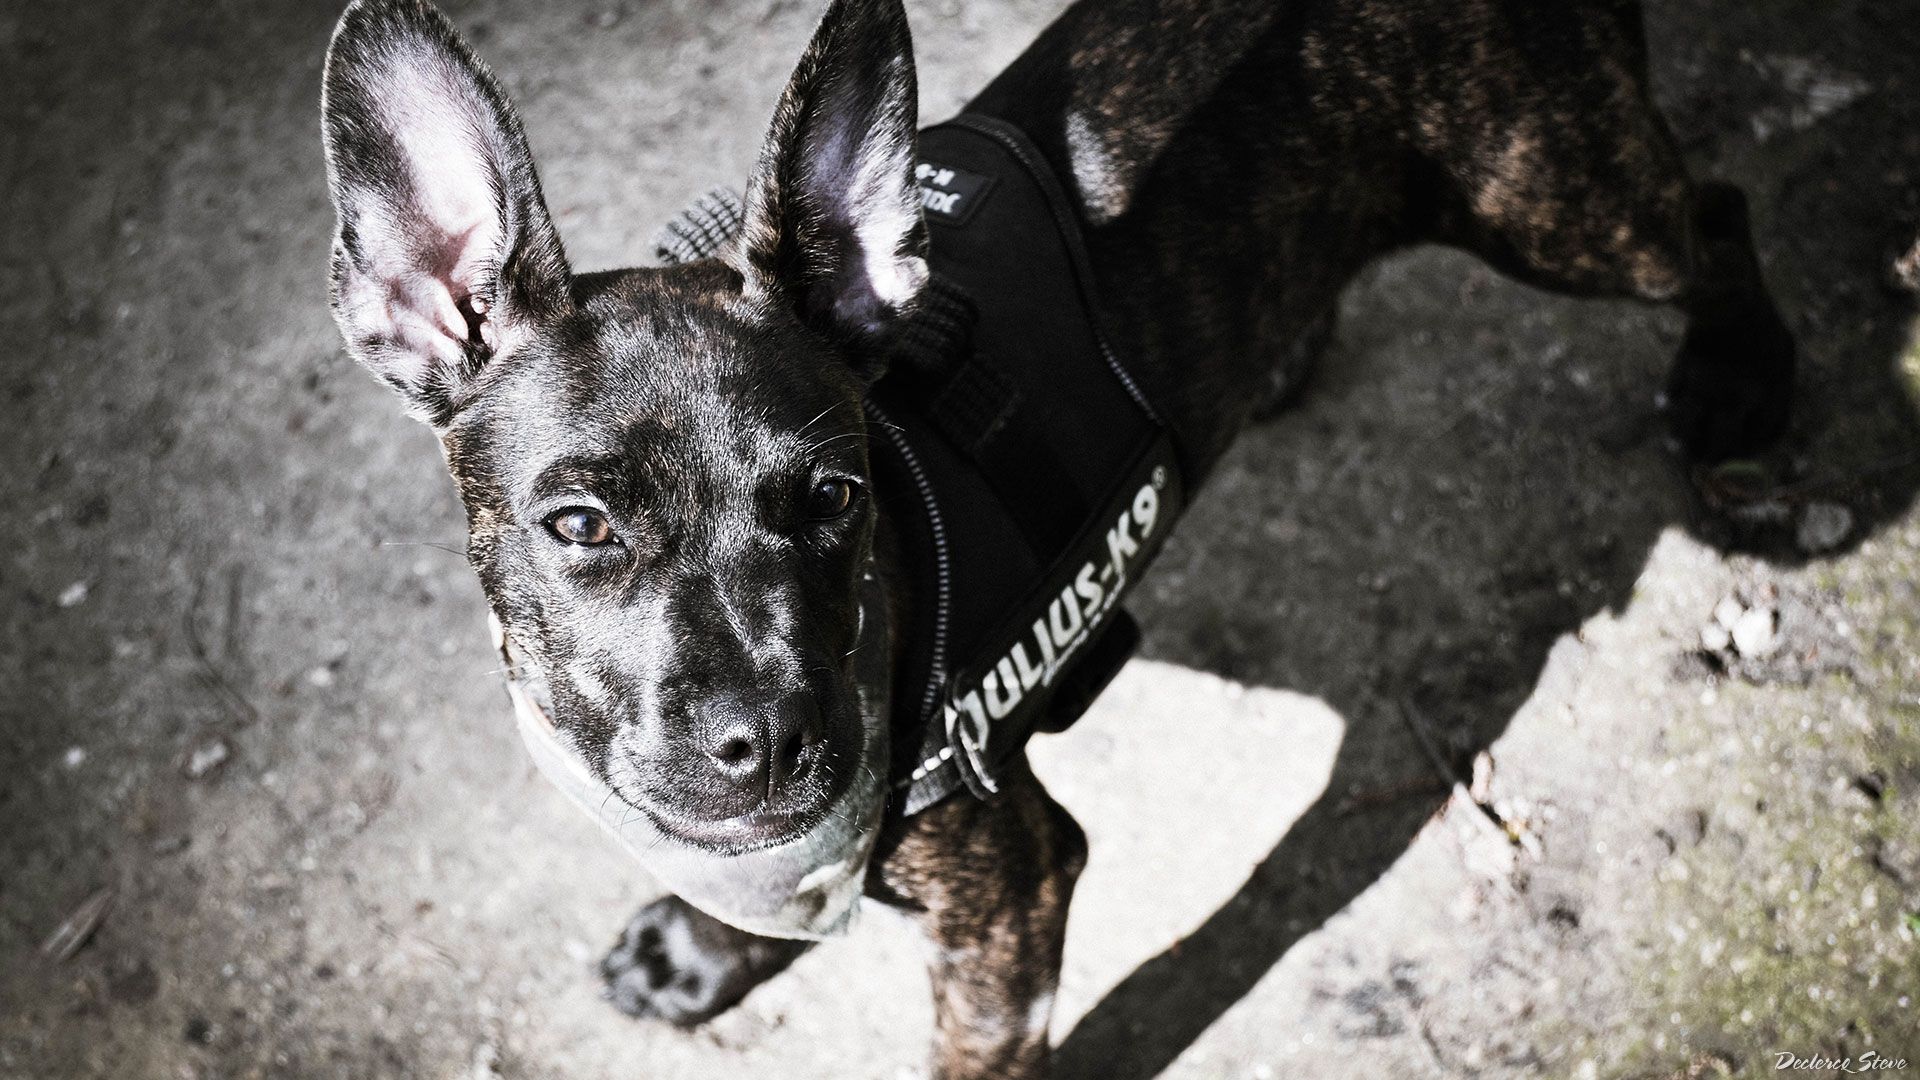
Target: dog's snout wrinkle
(749, 618)
(730, 610)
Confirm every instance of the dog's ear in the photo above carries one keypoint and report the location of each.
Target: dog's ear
(445, 255)
(833, 223)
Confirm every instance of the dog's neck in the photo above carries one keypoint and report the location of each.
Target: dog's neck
(901, 599)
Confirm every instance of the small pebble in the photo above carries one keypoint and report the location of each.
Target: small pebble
(207, 757)
(1823, 527)
(74, 757)
(1906, 268)
(1753, 634)
(73, 595)
(486, 1062)
(1715, 637)
(1728, 611)
(171, 845)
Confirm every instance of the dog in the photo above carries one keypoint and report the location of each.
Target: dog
(671, 505)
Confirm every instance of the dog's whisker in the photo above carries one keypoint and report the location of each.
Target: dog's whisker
(817, 418)
(602, 809)
(815, 448)
(434, 544)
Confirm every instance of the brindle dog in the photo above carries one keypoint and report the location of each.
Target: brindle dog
(664, 472)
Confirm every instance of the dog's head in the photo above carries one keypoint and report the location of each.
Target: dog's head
(665, 471)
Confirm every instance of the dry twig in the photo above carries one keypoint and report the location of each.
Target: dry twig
(78, 928)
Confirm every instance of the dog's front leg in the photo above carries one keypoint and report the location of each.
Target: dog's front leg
(989, 882)
(676, 963)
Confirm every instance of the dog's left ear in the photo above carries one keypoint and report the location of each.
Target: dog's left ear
(445, 255)
(833, 223)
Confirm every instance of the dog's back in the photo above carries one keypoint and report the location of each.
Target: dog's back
(1237, 162)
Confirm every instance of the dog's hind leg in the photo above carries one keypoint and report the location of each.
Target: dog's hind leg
(678, 964)
(1558, 170)
(1731, 385)
(1730, 388)
(989, 883)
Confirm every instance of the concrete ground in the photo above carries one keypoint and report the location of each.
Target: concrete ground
(253, 739)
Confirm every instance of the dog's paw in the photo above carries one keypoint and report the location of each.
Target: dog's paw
(1731, 393)
(676, 964)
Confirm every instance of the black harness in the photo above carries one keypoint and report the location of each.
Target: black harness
(1045, 479)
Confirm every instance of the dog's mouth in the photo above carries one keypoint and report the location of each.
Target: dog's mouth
(783, 818)
(757, 831)
(705, 811)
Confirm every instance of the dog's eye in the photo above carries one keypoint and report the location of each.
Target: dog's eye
(581, 525)
(829, 499)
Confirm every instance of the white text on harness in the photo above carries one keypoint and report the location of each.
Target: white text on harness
(1070, 619)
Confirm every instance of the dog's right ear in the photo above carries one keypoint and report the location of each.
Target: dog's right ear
(833, 225)
(445, 255)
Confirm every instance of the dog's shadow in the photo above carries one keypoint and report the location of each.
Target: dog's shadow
(1478, 469)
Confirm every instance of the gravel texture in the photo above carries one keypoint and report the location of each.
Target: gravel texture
(258, 779)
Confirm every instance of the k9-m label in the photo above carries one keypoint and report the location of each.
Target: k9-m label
(950, 195)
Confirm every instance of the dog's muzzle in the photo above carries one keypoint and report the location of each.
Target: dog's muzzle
(807, 887)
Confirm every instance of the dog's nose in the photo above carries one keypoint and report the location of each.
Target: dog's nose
(760, 746)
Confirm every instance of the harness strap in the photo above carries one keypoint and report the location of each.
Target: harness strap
(1053, 478)
(1031, 477)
